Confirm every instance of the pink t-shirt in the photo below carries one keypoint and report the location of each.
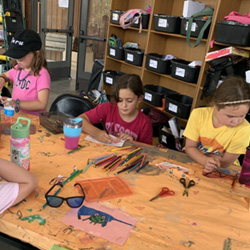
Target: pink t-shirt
(8, 194)
(27, 88)
(140, 128)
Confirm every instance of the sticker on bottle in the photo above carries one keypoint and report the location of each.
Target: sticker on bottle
(162, 23)
(153, 64)
(172, 107)
(148, 97)
(180, 72)
(112, 52)
(130, 57)
(194, 27)
(109, 80)
(115, 17)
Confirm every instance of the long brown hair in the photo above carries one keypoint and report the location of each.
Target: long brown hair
(38, 62)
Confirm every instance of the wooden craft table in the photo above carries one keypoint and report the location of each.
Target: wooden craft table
(214, 216)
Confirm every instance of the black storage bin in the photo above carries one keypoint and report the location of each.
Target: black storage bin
(154, 94)
(134, 56)
(145, 21)
(116, 52)
(13, 23)
(182, 71)
(115, 16)
(237, 34)
(110, 76)
(179, 105)
(12, 6)
(169, 24)
(196, 27)
(156, 63)
(169, 141)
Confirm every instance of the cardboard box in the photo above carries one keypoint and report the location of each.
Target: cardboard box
(192, 7)
(229, 51)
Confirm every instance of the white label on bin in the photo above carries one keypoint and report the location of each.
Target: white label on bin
(164, 139)
(193, 27)
(148, 97)
(130, 57)
(180, 72)
(153, 63)
(162, 23)
(115, 17)
(172, 107)
(112, 52)
(109, 80)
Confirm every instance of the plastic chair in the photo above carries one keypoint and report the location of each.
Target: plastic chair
(71, 105)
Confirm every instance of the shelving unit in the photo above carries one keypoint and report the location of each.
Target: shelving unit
(168, 43)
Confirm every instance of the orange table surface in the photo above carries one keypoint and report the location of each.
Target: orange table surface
(214, 216)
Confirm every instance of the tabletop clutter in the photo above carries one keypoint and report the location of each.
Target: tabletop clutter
(126, 160)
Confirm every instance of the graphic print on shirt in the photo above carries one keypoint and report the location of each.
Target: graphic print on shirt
(22, 84)
(116, 128)
(210, 145)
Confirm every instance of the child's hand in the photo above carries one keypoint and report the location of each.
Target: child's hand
(102, 136)
(125, 136)
(3, 100)
(211, 164)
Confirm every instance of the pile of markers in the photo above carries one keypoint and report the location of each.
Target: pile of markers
(132, 161)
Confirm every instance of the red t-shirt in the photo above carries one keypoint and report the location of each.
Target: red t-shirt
(140, 128)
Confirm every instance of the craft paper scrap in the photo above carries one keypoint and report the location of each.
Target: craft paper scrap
(108, 223)
(167, 165)
(116, 141)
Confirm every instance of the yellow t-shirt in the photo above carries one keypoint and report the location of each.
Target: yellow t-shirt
(216, 140)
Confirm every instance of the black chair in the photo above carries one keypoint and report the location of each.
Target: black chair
(5, 92)
(71, 105)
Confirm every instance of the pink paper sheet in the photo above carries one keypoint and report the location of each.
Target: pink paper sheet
(113, 231)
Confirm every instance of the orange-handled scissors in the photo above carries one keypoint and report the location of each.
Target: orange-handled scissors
(164, 192)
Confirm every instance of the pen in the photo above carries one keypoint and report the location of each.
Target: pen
(76, 149)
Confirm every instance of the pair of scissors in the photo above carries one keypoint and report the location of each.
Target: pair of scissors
(164, 192)
(191, 183)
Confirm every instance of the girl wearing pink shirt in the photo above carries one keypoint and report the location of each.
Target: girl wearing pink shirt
(29, 73)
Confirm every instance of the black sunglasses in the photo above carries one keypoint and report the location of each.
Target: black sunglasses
(56, 201)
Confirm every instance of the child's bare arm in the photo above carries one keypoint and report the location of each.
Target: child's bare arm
(228, 159)
(13, 173)
(97, 133)
(209, 162)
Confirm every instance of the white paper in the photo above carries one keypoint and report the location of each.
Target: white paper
(247, 76)
(117, 142)
(148, 96)
(63, 3)
(162, 23)
(112, 52)
(153, 63)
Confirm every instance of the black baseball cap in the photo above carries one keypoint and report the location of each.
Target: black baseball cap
(22, 43)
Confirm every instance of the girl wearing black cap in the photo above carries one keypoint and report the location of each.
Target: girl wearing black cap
(29, 75)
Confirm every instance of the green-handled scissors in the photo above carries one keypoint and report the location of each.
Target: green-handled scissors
(191, 183)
